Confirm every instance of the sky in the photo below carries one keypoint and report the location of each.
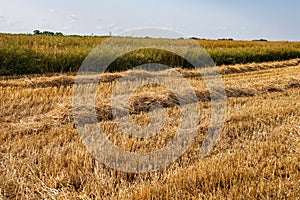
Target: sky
(211, 19)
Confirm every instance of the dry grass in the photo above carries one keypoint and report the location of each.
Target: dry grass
(256, 157)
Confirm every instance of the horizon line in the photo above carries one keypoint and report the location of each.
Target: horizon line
(108, 35)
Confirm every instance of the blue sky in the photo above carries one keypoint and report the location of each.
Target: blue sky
(272, 20)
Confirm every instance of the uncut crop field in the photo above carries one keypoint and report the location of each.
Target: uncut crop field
(35, 54)
(256, 157)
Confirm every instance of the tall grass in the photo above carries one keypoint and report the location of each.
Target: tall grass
(32, 54)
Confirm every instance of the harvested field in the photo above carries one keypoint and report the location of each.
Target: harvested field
(256, 157)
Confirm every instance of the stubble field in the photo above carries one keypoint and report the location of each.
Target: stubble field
(256, 157)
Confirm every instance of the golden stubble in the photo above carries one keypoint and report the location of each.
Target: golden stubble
(256, 157)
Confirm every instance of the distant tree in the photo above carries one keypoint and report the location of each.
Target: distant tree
(36, 32)
(261, 40)
(196, 38)
(48, 33)
(230, 39)
(59, 34)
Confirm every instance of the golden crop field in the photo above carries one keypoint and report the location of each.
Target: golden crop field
(256, 157)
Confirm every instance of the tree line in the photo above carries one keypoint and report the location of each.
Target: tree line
(38, 32)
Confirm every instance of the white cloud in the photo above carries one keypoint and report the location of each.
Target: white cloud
(72, 18)
(2, 18)
(100, 27)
